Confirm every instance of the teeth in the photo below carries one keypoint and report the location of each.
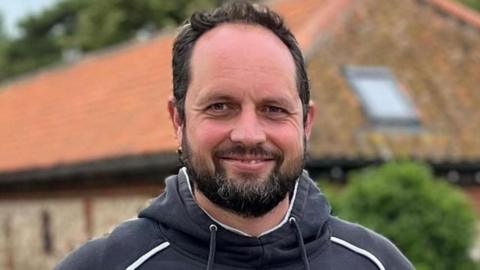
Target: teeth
(251, 161)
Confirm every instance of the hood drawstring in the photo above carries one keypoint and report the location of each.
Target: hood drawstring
(293, 221)
(211, 254)
(213, 234)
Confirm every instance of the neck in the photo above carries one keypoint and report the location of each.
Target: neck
(251, 226)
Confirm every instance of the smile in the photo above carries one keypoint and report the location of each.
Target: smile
(250, 161)
(243, 164)
(247, 159)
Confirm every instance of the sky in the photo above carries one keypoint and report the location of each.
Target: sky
(13, 10)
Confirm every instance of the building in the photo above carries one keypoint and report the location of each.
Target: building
(86, 143)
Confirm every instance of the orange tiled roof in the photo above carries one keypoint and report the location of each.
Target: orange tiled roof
(114, 103)
(459, 11)
(106, 105)
(435, 58)
(308, 18)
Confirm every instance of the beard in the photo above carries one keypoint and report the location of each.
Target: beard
(248, 196)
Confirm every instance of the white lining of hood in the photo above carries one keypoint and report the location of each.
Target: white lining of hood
(237, 231)
(358, 250)
(147, 256)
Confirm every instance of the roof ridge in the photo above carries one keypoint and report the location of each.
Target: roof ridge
(457, 10)
(323, 20)
(62, 65)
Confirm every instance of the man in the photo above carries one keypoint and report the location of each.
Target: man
(242, 115)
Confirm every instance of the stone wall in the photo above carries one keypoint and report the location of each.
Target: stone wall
(36, 233)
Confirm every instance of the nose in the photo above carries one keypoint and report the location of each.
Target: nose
(248, 129)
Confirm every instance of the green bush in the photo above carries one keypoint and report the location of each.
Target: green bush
(429, 220)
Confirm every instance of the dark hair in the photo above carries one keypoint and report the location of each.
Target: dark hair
(232, 12)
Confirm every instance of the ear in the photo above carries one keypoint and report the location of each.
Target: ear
(175, 118)
(310, 117)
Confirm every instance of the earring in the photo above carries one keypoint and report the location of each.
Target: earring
(179, 150)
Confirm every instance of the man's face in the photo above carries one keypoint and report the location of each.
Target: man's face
(243, 136)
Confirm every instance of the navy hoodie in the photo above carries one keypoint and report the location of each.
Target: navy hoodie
(175, 233)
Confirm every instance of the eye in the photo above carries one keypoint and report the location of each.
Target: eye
(220, 109)
(274, 109)
(275, 112)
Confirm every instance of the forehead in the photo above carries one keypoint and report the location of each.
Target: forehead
(254, 43)
(247, 55)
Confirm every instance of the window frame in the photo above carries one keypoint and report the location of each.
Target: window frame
(353, 73)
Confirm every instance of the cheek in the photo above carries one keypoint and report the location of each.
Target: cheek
(289, 140)
(203, 140)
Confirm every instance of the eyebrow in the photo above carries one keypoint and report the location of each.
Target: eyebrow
(219, 95)
(282, 101)
(215, 97)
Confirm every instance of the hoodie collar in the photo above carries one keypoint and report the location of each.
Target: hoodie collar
(186, 226)
(234, 230)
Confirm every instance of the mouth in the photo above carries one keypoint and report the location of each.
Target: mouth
(247, 164)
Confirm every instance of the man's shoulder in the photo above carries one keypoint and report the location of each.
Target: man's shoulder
(365, 242)
(122, 246)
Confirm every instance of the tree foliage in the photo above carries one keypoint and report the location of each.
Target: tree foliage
(3, 34)
(429, 220)
(87, 25)
(474, 4)
(3, 44)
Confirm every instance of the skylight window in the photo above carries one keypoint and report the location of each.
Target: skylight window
(383, 101)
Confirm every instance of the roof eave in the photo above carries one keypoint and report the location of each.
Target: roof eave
(129, 165)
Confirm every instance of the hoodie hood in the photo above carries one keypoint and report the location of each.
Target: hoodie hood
(187, 227)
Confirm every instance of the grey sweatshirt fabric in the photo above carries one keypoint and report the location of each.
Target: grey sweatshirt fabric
(175, 233)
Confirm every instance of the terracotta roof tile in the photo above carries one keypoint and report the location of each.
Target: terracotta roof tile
(109, 104)
(114, 103)
(436, 60)
(461, 12)
(308, 18)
